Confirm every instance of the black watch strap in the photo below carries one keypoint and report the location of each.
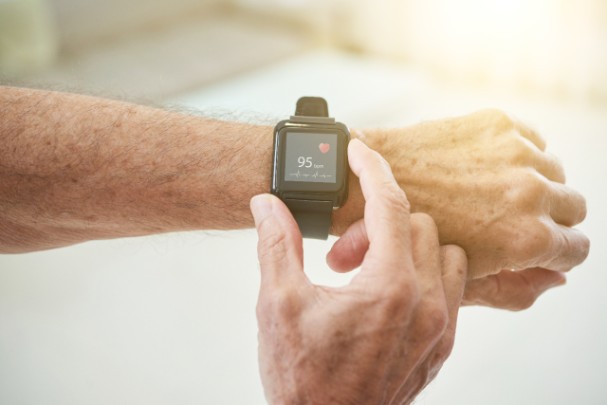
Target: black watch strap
(312, 216)
(312, 107)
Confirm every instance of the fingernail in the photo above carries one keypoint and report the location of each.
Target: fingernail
(261, 207)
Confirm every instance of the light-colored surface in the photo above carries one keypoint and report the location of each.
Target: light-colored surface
(151, 49)
(547, 45)
(82, 23)
(170, 318)
(158, 62)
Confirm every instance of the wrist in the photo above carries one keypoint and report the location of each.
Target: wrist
(241, 167)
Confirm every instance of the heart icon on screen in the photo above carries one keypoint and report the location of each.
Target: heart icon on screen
(324, 147)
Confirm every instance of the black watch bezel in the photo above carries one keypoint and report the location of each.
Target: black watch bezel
(336, 192)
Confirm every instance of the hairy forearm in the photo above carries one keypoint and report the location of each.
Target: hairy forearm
(75, 168)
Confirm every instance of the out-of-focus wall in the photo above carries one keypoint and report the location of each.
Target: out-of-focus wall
(549, 46)
(80, 22)
(555, 47)
(34, 33)
(139, 50)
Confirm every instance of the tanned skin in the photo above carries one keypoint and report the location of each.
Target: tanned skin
(75, 168)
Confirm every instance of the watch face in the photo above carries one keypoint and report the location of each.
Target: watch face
(311, 157)
(311, 162)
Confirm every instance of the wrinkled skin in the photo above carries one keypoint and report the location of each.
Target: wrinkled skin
(492, 189)
(378, 340)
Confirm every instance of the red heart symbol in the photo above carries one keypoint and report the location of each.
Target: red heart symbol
(324, 147)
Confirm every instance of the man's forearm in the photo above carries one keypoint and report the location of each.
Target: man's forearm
(75, 168)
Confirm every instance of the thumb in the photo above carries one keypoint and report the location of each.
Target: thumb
(279, 249)
(350, 249)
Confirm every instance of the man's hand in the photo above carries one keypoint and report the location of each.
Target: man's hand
(381, 338)
(493, 190)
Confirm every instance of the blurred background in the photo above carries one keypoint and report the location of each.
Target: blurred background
(170, 318)
(159, 48)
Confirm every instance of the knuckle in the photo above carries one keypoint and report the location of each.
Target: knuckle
(398, 292)
(499, 119)
(281, 303)
(524, 301)
(447, 346)
(380, 161)
(535, 185)
(534, 243)
(443, 349)
(455, 254)
(501, 295)
(398, 298)
(517, 152)
(423, 220)
(423, 223)
(435, 320)
(395, 197)
(527, 192)
(393, 200)
(272, 245)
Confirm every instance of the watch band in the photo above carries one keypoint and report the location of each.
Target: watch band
(312, 107)
(312, 216)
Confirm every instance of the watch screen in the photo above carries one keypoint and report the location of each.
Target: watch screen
(311, 157)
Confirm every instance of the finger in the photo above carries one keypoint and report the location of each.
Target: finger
(513, 290)
(570, 247)
(545, 163)
(548, 245)
(454, 264)
(386, 215)
(426, 253)
(567, 206)
(454, 268)
(530, 134)
(349, 250)
(279, 248)
(549, 166)
(555, 247)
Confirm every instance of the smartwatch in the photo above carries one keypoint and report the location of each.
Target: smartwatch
(310, 166)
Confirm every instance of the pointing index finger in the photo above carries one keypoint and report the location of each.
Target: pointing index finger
(386, 215)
